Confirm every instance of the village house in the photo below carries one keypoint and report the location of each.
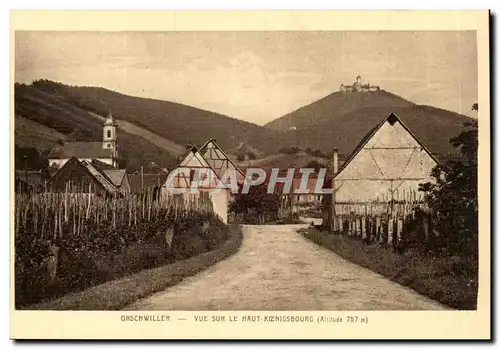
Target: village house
(192, 175)
(105, 151)
(82, 176)
(387, 163)
(303, 199)
(311, 198)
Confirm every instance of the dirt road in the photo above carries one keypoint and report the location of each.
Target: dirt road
(278, 269)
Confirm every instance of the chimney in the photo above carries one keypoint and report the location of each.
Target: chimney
(335, 160)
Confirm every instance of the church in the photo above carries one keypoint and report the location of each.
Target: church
(105, 151)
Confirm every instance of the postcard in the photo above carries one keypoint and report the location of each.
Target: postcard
(250, 175)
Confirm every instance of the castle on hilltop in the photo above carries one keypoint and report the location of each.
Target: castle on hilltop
(358, 86)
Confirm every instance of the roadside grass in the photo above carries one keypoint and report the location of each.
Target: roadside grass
(116, 294)
(450, 280)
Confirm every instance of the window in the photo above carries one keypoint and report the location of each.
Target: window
(109, 133)
(298, 197)
(109, 145)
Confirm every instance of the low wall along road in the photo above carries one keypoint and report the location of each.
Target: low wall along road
(278, 269)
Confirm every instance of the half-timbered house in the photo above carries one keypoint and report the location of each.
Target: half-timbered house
(193, 175)
(388, 163)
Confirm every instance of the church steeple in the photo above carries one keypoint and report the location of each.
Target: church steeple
(109, 136)
(110, 120)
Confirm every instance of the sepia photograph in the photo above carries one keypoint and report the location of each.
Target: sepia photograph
(249, 176)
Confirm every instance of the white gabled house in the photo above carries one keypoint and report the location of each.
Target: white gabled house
(387, 161)
(386, 167)
(193, 174)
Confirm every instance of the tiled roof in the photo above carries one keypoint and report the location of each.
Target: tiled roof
(102, 165)
(80, 150)
(73, 165)
(100, 176)
(116, 176)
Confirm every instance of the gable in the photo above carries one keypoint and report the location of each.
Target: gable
(193, 159)
(391, 136)
(391, 152)
(79, 175)
(192, 168)
(219, 161)
(116, 176)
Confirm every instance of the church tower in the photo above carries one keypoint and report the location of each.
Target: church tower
(357, 86)
(109, 136)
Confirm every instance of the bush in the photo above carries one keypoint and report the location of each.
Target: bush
(116, 294)
(290, 150)
(452, 196)
(256, 207)
(104, 254)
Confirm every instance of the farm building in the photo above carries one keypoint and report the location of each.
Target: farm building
(309, 198)
(386, 165)
(219, 161)
(304, 196)
(192, 175)
(105, 151)
(81, 176)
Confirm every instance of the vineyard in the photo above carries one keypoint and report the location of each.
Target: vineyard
(66, 242)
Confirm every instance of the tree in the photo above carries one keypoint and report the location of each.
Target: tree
(289, 150)
(318, 153)
(452, 197)
(29, 158)
(257, 206)
(316, 165)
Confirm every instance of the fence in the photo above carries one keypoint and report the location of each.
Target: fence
(68, 241)
(46, 213)
(400, 223)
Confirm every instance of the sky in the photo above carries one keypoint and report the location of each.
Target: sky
(256, 76)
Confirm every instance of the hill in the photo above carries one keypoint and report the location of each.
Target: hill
(179, 123)
(244, 151)
(342, 119)
(283, 161)
(161, 142)
(31, 134)
(44, 118)
(158, 131)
